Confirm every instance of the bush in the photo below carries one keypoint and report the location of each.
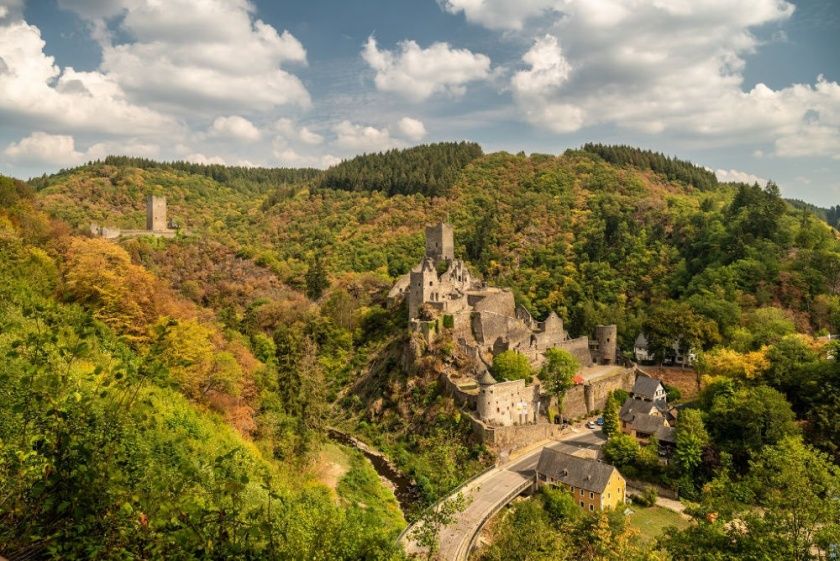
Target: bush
(621, 450)
(448, 321)
(511, 365)
(647, 498)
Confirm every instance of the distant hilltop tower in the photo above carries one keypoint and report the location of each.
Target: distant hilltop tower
(440, 242)
(156, 214)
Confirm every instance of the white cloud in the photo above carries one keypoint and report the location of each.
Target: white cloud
(417, 74)
(288, 157)
(669, 67)
(549, 68)
(363, 138)
(412, 129)
(235, 127)
(36, 92)
(199, 158)
(499, 14)
(737, 176)
(219, 57)
(56, 150)
(290, 131)
(41, 148)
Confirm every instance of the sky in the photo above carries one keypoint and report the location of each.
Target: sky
(748, 88)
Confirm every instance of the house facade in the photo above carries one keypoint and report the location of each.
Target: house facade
(594, 485)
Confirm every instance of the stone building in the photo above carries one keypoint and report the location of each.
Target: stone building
(156, 223)
(593, 484)
(486, 320)
(507, 403)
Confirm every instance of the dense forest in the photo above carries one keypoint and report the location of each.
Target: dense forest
(430, 170)
(210, 366)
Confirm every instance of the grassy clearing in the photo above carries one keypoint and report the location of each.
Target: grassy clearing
(652, 521)
(363, 491)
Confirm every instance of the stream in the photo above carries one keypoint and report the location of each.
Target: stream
(405, 490)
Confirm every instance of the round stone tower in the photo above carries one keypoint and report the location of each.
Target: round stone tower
(607, 336)
(484, 403)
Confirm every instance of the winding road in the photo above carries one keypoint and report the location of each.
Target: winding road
(490, 492)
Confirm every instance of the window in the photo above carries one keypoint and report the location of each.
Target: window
(581, 504)
(591, 508)
(581, 492)
(591, 495)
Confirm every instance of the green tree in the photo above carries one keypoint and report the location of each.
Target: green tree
(750, 419)
(316, 278)
(621, 450)
(511, 365)
(692, 439)
(557, 372)
(612, 410)
(426, 531)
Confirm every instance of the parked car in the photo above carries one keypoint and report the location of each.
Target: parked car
(599, 421)
(591, 425)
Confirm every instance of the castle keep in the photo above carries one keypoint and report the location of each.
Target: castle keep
(156, 223)
(484, 321)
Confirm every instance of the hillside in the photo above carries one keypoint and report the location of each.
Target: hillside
(288, 284)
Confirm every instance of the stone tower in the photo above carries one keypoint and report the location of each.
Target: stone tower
(156, 213)
(440, 242)
(423, 284)
(485, 400)
(606, 336)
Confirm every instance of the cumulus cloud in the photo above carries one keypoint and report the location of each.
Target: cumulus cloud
(35, 91)
(737, 176)
(499, 14)
(289, 157)
(199, 158)
(363, 138)
(218, 57)
(661, 67)
(57, 150)
(417, 74)
(234, 127)
(291, 131)
(412, 129)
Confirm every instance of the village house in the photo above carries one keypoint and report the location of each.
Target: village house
(673, 355)
(645, 414)
(593, 484)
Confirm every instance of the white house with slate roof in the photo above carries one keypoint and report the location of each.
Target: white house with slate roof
(593, 484)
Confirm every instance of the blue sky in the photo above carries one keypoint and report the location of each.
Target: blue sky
(748, 88)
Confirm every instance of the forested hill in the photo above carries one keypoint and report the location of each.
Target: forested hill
(430, 170)
(209, 366)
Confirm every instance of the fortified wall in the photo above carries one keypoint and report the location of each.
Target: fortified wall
(484, 321)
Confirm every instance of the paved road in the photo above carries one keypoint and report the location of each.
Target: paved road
(496, 488)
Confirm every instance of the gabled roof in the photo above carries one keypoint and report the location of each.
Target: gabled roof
(633, 407)
(645, 387)
(581, 473)
(647, 424)
(666, 434)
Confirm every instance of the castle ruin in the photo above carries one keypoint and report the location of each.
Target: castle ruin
(156, 223)
(484, 321)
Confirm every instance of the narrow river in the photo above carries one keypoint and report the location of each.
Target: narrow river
(406, 491)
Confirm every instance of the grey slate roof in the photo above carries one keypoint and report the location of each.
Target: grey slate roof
(641, 341)
(581, 473)
(645, 387)
(666, 434)
(486, 379)
(647, 424)
(633, 407)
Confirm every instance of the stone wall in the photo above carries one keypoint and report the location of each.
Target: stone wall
(494, 301)
(509, 439)
(584, 399)
(579, 348)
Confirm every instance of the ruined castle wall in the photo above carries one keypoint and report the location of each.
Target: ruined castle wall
(496, 302)
(584, 399)
(579, 348)
(510, 403)
(509, 439)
